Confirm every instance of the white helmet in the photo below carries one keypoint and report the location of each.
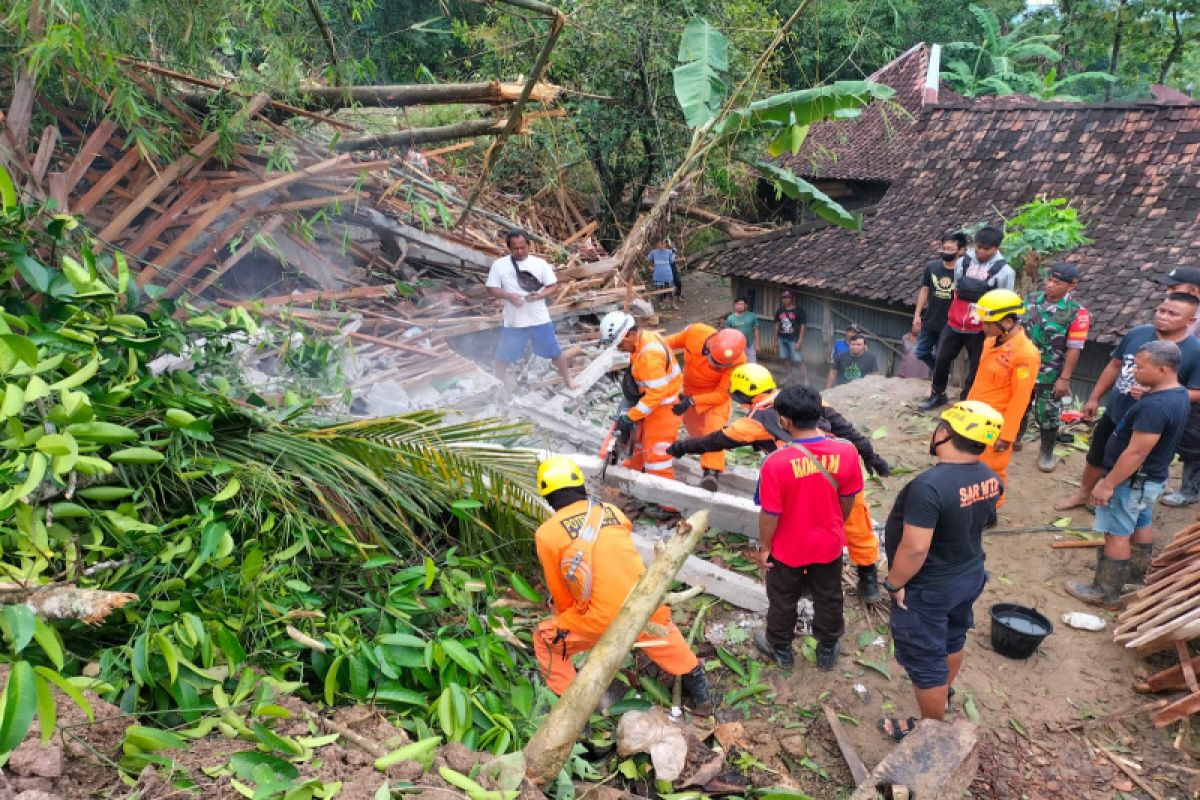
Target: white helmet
(615, 325)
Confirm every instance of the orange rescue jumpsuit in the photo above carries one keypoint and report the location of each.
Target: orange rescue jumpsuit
(707, 386)
(615, 568)
(658, 378)
(1005, 380)
(760, 429)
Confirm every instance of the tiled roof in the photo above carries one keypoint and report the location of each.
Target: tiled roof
(1133, 172)
(873, 146)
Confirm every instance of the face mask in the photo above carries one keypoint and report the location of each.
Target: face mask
(934, 444)
(948, 256)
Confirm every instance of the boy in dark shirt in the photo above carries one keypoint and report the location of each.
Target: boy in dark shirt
(1135, 466)
(790, 324)
(934, 543)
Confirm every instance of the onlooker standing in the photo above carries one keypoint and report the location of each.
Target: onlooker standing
(934, 544)
(790, 325)
(933, 299)
(979, 271)
(806, 489)
(662, 258)
(746, 321)
(523, 282)
(842, 345)
(1135, 464)
(852, 364)
(1187, 281)
(1172, 319)
(1058, 327)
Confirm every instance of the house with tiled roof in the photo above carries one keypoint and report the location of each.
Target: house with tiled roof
(1132, 171)
(854, 161)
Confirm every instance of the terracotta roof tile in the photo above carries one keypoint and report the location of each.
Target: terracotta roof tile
(1140, 196)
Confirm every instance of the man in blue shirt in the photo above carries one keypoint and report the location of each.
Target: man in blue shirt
(1136, 460)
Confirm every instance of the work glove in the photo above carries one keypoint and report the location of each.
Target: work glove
(674, 450)
(680, 408)
(625, 427)
(878, 466)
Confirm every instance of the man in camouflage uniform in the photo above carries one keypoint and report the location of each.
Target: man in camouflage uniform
(1058, 326)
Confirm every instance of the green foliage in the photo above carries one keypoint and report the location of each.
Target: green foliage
(270, 552)
(699, 78)
(1042, 229)
(1000, 62)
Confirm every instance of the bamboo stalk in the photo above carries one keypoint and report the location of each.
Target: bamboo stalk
(550, 746)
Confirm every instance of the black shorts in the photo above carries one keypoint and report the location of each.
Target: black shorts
(1102, 431)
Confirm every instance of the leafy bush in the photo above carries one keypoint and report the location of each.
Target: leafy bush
(268, 552)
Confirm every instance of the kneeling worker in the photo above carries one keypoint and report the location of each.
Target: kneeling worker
(591, 565)
(753, 387)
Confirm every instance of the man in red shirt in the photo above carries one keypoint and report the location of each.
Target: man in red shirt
(806, 490)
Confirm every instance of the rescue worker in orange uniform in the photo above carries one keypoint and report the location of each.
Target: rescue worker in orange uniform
(656, 375)
(1007, 373)
(591, 565)
(709, 358)
(753, 387)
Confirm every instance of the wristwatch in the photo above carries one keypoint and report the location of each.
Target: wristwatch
(891, 589)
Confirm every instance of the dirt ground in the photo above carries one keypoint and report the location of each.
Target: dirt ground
(1045, 717)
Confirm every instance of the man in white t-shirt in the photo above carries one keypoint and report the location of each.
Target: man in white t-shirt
(522, 282)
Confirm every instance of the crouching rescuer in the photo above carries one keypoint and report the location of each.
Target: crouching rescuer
(591, 565)
(753, 387)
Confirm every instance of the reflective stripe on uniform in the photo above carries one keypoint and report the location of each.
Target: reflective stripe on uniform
(642, 407)
(670, 401)
(655, 383)
(652, 465)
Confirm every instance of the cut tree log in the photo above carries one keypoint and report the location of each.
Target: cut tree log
(554, 739)
(414, 136)
(65, 601)
(424, 94)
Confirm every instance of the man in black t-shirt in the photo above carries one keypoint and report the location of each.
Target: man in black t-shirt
(1136, 460)
(790, 324)
(853, 363)
(933, 300)
(934, 543)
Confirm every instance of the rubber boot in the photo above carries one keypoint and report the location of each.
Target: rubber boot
(1105, 588)
(1189, 487)
(1139, 562)
(1046, 459)
(868, 583)
(709, 482)
(782, 656)
(827, 655)
(695, 684)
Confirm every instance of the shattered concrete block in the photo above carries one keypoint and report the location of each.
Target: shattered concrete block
(33, 759)
(937, 761)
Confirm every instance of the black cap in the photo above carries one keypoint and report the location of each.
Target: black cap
(1179, 275)
(1065, 272)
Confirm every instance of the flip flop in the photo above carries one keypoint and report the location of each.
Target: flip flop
(900, 728)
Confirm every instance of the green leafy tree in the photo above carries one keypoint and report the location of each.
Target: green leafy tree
(1000, 62)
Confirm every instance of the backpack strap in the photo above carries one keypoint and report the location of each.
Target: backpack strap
(576, 567)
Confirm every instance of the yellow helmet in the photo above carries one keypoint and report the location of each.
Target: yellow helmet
(751, 380)
(974, 420)
(558, 472)
(997, 304)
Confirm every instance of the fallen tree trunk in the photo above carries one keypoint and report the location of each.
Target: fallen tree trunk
(65, 601)
(415, 136)
(550, 746)
(399, 96)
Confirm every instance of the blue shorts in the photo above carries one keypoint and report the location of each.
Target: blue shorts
(788, 351)
(511, 347)
(1129, 509)
(934, 625)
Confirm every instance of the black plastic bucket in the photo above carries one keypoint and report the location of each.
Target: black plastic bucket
(1018, 630)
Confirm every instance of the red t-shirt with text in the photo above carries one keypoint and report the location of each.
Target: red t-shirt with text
(811, 529)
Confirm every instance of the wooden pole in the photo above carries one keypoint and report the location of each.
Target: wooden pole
(550, 746)
(414, 136)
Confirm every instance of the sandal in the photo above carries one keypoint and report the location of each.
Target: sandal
(899, 728)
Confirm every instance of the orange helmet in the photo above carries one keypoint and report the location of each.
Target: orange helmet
(724, 347)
